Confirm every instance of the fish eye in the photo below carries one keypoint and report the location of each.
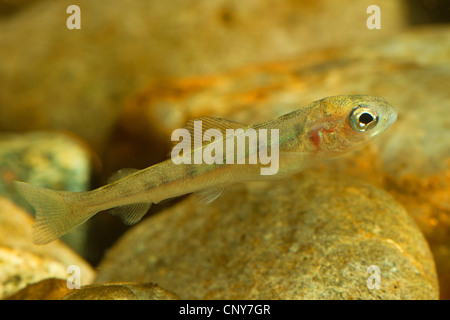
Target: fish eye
(363, 119)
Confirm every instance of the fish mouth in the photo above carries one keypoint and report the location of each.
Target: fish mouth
(391, 118)
(388, 120)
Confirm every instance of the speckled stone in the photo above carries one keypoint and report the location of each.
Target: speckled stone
(49, 159)
(307, 237)
(22, 262)
(121, 291)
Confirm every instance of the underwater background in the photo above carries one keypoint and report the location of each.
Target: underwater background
(76, 105)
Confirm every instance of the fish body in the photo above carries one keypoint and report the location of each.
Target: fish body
(323, 130)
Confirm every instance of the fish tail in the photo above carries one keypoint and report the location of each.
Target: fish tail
(55, 211)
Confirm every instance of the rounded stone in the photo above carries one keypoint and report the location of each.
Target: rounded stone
(121, 291)
(307, 237)
(47, 289)
(22, 262)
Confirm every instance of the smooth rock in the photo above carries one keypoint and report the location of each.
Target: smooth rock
(22, 262)
(47, 289)
(306, 237)
(121, 291)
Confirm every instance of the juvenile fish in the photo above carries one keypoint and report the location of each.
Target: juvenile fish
(322, 130)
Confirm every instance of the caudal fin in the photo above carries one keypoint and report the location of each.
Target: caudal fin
(54, 211)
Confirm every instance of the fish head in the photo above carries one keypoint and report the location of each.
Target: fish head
(346, 122)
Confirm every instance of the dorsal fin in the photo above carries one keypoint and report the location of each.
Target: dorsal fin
(209, 123)
(214, 123)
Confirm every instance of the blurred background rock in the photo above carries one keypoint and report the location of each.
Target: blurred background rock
(115, 87)
(78, 80)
